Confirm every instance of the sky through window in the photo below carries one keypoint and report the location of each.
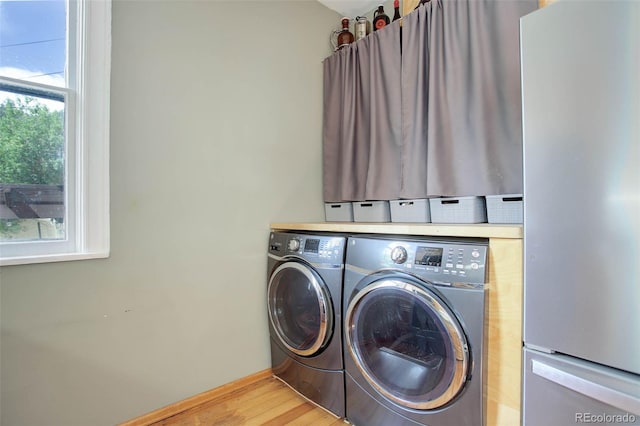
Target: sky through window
(33, 40)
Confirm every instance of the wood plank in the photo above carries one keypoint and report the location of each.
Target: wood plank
(317, 417)
(504, 332)
(252, 393)
(277, 412)
(234, 408)
(261, 408)
(291, 415)
(479, 230)
(408, 6)
(239, 407)
(544, 3)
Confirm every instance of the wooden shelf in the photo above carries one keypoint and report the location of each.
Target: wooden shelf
(480, 230)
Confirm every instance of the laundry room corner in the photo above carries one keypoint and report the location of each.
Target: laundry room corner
(216, 126)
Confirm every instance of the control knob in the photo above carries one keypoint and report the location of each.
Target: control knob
(399, 255)
(293, 245)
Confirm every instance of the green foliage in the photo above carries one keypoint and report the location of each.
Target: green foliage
(9, 227)
(31, 143)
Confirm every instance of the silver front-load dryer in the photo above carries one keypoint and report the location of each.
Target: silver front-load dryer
(414, 338)
(304, 301)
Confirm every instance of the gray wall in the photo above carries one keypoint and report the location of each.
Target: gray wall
(216, 112)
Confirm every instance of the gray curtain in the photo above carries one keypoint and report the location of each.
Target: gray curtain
(362, 133)
(442, 119)
(462, 132)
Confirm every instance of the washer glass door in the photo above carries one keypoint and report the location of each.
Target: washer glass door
(300, 308)
(407, 343)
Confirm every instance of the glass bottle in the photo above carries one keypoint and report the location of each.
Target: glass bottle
(362, 27)
(396, 8)
(380, 19)
(345, 37)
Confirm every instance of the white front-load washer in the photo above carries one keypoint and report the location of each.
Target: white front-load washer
(414, 331)
(304, 301)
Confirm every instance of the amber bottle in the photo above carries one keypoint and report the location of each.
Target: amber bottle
(345, 37)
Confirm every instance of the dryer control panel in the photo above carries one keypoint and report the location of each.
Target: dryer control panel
(442, 261)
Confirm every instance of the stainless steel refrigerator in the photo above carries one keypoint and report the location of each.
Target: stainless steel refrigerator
(581, 128)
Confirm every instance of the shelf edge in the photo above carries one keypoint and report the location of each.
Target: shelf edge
(479, 230)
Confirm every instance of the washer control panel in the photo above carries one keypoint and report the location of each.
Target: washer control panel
(313, 248)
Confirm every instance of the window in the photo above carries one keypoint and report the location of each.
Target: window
(54, 130)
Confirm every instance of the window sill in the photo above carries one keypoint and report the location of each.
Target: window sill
(65, 257)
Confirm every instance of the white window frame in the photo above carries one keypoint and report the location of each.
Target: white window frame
(87, 136)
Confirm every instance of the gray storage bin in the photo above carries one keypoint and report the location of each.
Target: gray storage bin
(458, 210)
(506, 208)
(371, 211)
(338, 212)
(414, 211)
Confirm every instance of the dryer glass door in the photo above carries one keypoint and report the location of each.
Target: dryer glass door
(300, 308)
(407, 343)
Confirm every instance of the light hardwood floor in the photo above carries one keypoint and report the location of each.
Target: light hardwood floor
(267, 401)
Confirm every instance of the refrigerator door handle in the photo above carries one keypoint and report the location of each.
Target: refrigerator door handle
(612, 397)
